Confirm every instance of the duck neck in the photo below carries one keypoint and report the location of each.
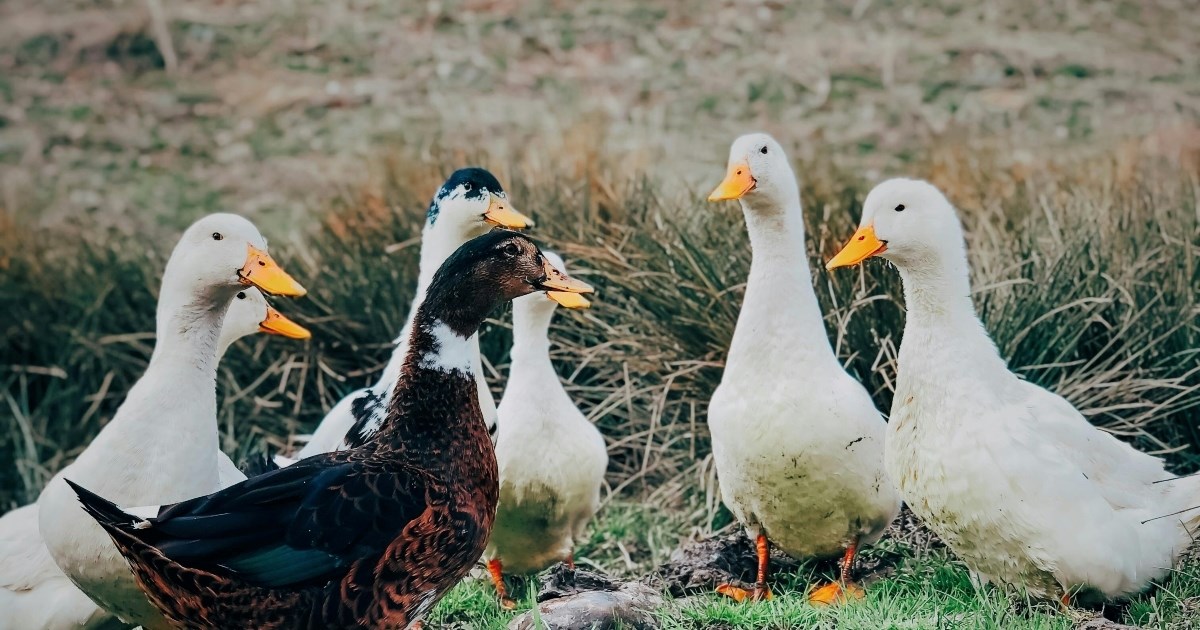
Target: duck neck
(434, 408)
(937, 289)
(779, 292)
(188, 327)
(439, 239)
(943, 337)
(531, 336)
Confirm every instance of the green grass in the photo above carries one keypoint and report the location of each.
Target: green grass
(927, 589)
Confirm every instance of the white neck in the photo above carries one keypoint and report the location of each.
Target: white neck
(168, 420)
(943, 336)
(780, 301)
(438, 241)
(225, 342)
(937, 289)
(531, 336)
(188, 327)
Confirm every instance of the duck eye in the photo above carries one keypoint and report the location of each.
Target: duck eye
(511, 249)
(467, 186)
(763, 150)
(241, 295)
(217, 236)
(900, 208)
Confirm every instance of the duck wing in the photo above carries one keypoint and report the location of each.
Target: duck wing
(292, 527)
(1121, 473)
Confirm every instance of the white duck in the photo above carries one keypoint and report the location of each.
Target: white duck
(469, 204)
(34, 593)
(1015, 480)
(161, 445)
(551, 459)
(797, 442)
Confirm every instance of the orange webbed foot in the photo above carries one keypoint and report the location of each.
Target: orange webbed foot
(739, 594)
(836, 593)
(496, 569)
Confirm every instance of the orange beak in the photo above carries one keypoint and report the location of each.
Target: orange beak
(501, 214)
(263, 272)
(738, 182)
(277, 324)
(862, 246)
(564, 289)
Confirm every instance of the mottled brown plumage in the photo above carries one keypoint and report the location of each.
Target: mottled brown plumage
(369, 537)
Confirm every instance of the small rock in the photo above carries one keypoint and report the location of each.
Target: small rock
(575, 599)
(563, 581)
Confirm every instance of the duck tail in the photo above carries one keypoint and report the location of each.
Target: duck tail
(108, 514)
(1191, 493)
(1185, 495)
(153, 571)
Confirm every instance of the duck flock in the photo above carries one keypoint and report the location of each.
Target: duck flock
(408, 484)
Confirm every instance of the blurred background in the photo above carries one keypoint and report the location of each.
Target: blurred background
(1065, 131)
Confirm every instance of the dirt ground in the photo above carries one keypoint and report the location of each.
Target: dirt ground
(114, 110)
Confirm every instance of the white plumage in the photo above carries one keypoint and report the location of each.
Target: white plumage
(797, 442)
(551, 458)
(1015, 480)
(161, 445)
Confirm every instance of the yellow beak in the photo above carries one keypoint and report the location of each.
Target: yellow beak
(263, 272)
(738, 182)
(277, 324)
(568, 300)
(862, 246)
(501, 214)
(563, 289)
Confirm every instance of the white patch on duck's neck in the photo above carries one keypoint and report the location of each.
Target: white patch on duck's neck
(453, 353)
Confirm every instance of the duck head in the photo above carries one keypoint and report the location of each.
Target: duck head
(492, 269)
(758, 174)
(250, 313)
(225, 252)
(470, 203)
(908, 222)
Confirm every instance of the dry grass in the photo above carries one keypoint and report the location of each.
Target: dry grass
(1086, 278)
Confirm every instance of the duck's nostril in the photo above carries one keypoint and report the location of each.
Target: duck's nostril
(262, 263)
(861, 238)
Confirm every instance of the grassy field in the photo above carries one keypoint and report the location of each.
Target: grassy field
(1065, 132)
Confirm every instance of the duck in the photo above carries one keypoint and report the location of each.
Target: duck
(551, 459)
(796, 441)
(371, 536)
(468, 204)
(161, 445)
(34, 593)
(1010, 475)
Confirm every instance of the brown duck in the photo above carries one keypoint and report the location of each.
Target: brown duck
(369, 537)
